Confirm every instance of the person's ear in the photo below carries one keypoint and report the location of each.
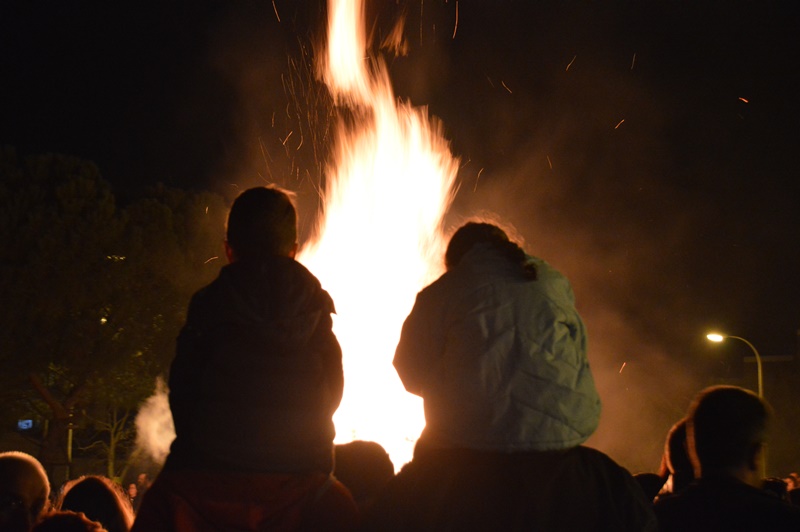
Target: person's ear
(293, 251)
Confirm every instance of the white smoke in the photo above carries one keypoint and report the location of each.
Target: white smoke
(155, 429)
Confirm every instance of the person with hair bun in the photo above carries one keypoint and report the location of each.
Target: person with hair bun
(497, 351)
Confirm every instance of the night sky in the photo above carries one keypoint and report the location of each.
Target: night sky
(649, 150)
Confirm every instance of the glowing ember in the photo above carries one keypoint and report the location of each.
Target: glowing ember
(379, 240)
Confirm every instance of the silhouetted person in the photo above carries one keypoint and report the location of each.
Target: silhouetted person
(776, 487)
(726, 431)
(677, 466)
(255, 382)
(364, 467)
(793, 488)
(143, 483)
(497, 351)
(24, 491)
(100, 499)
(132, 493)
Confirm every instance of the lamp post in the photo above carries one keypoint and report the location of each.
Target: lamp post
(715, 337)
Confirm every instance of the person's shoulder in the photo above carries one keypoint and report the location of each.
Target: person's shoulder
(272, 272)
(203, 300)
(725, 502)
(665, 502)
(435, 290)
(550, 278)
(772, 505)
(604, 469)
(597, 458)
(678, 511)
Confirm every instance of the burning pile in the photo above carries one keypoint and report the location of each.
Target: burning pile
(379, 241)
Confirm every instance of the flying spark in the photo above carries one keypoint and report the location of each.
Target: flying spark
(622, 367)
(276, 11)
(619, 124)
(455, 28)
(477, 179)
(570, 63)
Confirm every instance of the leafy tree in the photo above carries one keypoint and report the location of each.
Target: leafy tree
(173, 240)
(93, 295)
(59, 225)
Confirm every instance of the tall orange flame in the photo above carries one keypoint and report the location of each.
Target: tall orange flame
(379, 240)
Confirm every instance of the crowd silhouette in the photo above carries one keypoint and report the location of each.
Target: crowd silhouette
(498, 353)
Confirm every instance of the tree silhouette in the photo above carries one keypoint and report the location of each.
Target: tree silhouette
(94, 296)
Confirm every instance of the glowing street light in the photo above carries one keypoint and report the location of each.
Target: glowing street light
(715, 337)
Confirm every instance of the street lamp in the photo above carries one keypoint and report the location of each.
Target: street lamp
(715, 337)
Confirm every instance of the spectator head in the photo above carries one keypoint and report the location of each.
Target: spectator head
(364, 467)
(66, 521)
(24, 490)
(100, 499)
(262, 222)
(726, 431)
(474, 233)
(143, 481)
(676, 454)
(776, 487)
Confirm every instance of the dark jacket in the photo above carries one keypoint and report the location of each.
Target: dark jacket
(258, 373)
(725, 504)
(459, 489)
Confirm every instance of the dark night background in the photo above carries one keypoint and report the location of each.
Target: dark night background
(649, 150)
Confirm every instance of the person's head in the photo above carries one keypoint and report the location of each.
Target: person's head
(364, 467)
(776, 487)
(133, 490)
(142, 481)
(676, 455)
(101, 499)
(726, 431)
(24, 490)
(474, 233)
(262, 222)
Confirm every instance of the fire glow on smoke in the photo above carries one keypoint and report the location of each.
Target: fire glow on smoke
(378, 242)
(380, 238)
